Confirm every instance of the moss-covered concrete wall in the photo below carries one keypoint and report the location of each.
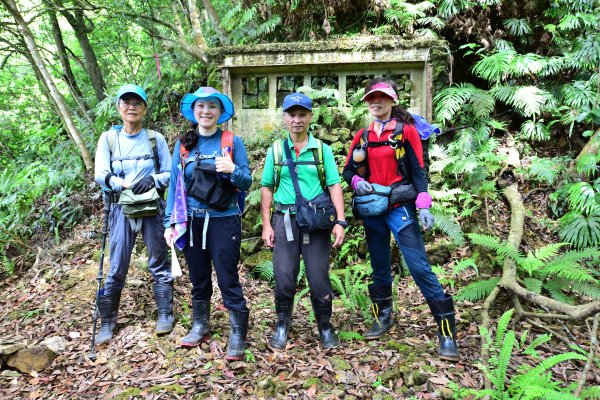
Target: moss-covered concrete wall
(258, 77)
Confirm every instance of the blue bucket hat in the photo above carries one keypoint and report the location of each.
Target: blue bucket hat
(132, 88)
(206, 93)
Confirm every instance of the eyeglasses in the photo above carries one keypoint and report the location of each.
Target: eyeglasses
(132, 103)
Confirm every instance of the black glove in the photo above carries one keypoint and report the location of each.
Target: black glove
(143, 185)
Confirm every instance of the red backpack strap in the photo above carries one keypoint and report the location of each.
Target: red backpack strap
(183, 155)
(227, 142)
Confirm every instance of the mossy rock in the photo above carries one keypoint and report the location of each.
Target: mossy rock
(311, 381)
(257, 258)
(250, 247)
(338, 362)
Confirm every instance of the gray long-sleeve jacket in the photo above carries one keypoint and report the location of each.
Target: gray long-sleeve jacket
(129, 158)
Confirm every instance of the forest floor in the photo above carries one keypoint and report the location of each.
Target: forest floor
(55, 298)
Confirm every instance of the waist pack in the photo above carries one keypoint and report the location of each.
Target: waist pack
(139, 205)
(372, 204)
(315, 214)
(210, 188)
(403, 193)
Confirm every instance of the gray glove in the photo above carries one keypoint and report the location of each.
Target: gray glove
(363, 188)
(426, 218)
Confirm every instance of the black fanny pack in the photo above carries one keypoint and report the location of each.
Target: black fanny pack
(315, 214)
(210, 188)
(402, 193)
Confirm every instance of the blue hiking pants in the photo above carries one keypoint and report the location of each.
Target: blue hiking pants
(122, 239)
(403, 223)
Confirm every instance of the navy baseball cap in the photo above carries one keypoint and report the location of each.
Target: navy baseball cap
(297, 99)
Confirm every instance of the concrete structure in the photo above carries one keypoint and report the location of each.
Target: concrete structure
(258, 77)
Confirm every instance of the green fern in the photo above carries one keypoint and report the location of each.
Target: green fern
(581, 230)
(517, 27)
(503, 249)
(502, 326)
(477, 290)
(449, 227)
(531, 349)
(264, 271)
(533, 285)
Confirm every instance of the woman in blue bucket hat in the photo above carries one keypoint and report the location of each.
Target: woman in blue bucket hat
(202, 217)
(387, 156)
(131, 159)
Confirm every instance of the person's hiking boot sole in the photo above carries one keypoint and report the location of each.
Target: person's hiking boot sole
(205, 339)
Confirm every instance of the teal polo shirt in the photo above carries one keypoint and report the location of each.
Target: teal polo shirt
(308, 175)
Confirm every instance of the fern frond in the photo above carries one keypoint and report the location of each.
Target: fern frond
(530, 100)
(555, 287)
(477, 290)
(450, 100)
(494, 67)
(591, 393)
(504, 357)
(569, 271)
(592, 290)
(502, 326)
(517, 27)
(534, 130)
(531, 349)
(449, 227)
(549, 251)
(545, 169)
(526, 64)
(523, 380)
(463, 265)
(581, 230)
(533, 285)
(578, 94)
(264, 271)
(582, 197)
(493, 243)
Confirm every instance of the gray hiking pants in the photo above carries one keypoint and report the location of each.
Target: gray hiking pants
(286, 261)
(122, 239)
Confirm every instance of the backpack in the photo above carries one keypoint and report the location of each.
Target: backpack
(279, 161)
(396, 141)
(226, 142)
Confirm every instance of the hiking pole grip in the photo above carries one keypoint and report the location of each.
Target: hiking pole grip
(107, 197)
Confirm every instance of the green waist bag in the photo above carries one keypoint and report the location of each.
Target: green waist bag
(139, 205)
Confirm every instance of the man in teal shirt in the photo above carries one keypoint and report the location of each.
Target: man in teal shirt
(280, 230)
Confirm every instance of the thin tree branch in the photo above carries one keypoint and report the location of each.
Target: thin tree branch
(590, 360)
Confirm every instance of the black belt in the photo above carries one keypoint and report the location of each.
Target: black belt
(284, 207)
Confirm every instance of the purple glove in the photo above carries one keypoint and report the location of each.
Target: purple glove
(423, 200)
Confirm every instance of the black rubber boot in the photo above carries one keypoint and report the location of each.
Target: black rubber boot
(163, 293)
(383, 309)
(329, 339)
(199, 331)
(443, 313)
(108, 307)
(237, 335)
(284, 315)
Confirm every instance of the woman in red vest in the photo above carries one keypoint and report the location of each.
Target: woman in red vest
(389, 155)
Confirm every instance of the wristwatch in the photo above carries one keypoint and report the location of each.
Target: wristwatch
(344, 224)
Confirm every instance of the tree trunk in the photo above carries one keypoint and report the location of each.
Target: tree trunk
(196, 27)
(61, 51)
(77, 22)
(216, 22)
(47, 79)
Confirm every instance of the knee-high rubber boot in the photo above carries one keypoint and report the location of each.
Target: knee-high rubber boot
(381, 297)
(200, 321)
(284, 315)
(237, 334)
(443, 313)
(108, 307)
(163, 293)
(323, 311)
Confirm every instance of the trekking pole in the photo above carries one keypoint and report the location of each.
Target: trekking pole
(107, 196)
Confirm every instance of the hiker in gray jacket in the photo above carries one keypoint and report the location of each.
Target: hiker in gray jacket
(135, 159)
